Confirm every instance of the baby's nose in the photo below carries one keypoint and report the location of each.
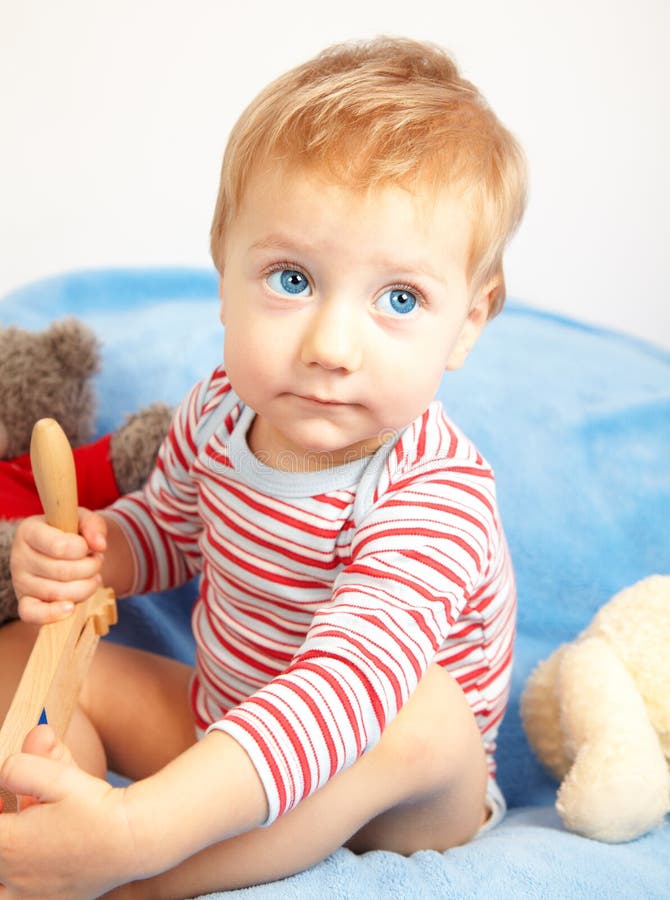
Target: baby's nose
(333, 339)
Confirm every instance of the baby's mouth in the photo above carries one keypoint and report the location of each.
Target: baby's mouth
(321, 401)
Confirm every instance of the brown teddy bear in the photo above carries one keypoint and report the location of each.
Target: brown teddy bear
(49, 373)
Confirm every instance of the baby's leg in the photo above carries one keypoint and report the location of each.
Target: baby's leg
(138, 703)
(421, 787)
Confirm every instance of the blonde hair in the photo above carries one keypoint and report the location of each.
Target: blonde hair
(387, 111)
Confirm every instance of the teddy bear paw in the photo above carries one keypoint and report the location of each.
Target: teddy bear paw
(615, 793)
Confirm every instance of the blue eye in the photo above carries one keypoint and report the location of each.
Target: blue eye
(289, 281)
(398, 300)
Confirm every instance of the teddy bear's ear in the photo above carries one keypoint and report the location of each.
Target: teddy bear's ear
(75, 345)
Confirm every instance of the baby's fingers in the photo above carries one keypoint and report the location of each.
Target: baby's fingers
(34, 534)
(38, 612)
(93, 528)
(54, 568)
(42, 601)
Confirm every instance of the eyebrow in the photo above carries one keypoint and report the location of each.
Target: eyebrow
(279, 241)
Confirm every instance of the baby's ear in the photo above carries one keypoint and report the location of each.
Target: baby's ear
(473, 326)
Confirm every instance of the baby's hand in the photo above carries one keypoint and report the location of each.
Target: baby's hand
(52, 570)
(74, 841)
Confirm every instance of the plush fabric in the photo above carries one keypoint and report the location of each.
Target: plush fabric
(576, 422)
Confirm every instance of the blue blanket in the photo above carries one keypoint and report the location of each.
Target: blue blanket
(576, 422)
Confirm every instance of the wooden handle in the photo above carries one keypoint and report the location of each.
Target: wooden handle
(63, 650)
(55, 475)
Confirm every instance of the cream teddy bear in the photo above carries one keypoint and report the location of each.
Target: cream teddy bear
(597, 713)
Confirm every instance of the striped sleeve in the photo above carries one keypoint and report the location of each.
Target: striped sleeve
(162, 522)
(418, 555)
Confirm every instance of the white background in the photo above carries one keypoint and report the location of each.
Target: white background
(114, 114)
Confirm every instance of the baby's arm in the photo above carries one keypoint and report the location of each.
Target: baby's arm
(84, 837)
(52, 570)
(209, 793)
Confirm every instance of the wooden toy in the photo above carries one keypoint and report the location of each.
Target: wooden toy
(54, 674)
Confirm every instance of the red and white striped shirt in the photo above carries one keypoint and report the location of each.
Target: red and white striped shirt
(324, 596)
